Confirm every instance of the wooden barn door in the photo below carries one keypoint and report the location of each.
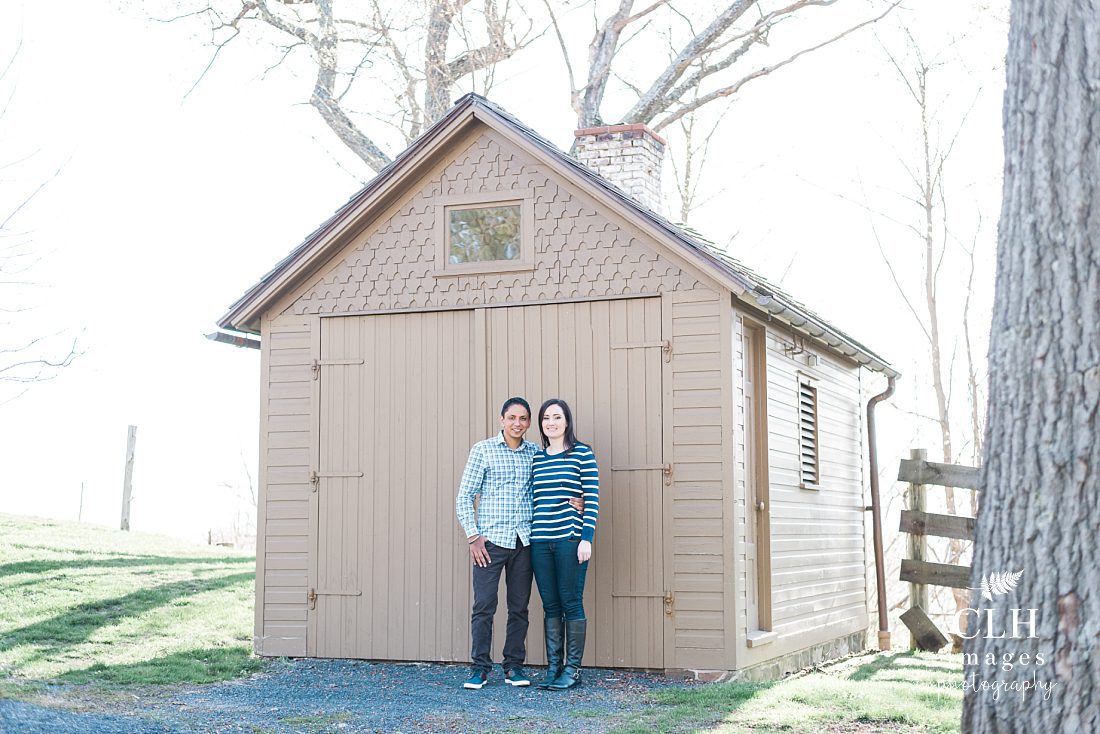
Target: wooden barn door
(607, 360)
(401, 400)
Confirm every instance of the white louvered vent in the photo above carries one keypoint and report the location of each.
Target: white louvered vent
(807, 433)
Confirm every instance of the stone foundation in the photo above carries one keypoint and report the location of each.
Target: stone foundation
(785, 665)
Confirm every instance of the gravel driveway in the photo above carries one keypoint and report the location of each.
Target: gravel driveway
(315, 696)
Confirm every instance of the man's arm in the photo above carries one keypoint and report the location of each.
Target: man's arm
(473, 479)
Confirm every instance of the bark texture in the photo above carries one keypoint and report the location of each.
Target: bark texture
(1040, 512)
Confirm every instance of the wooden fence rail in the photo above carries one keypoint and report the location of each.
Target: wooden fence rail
(918, 524)
(919, 471)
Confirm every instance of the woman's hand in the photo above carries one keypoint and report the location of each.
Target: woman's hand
(584, 551)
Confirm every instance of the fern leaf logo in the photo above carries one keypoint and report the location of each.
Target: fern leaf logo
(999, 583)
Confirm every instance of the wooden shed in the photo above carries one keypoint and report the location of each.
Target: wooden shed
(484, 263)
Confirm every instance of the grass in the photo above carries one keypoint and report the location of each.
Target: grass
(86, 604)
(82, 604)
(895, 692)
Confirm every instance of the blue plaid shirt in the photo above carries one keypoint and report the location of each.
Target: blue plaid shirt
(503, 479)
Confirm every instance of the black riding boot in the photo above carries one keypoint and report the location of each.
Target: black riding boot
(575, 632)
(555, 649)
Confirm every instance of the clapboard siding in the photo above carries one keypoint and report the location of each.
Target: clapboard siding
(699, 514)
(817, 552)
(283, 536)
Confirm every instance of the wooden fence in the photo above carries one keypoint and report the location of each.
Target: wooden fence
(919, 524)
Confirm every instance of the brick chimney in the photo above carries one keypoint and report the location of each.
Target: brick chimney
(628, 156)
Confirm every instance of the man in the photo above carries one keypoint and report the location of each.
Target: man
(499, 536)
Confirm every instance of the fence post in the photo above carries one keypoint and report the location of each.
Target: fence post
(131, 443)
(918, 543)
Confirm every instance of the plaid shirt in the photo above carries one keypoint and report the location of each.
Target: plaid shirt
(503, 479)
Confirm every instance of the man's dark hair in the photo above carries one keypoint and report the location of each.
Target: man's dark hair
(515, 401)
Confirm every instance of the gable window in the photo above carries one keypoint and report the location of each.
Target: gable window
(477, 234)
(809, 463)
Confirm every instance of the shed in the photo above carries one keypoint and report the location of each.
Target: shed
(482, 263)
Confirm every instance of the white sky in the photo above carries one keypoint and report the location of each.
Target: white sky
(167, 209)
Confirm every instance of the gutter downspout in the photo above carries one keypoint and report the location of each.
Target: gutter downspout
(876, 514)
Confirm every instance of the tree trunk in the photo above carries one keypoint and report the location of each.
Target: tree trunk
(437, 88)
(1040, 513)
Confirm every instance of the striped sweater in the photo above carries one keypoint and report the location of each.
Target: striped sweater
(555, 479)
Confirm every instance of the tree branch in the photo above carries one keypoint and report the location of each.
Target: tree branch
(414, 110)
(574, 93)
(601, 52)
(691, 51)
(763, 71)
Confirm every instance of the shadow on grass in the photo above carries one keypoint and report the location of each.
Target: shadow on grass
(115, 561)
(688, 709)
(74, 626)
(199, 665)
(905, 661)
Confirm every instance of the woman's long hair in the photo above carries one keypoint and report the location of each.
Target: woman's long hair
(570, 437)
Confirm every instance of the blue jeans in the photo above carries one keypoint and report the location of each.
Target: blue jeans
(560, 578)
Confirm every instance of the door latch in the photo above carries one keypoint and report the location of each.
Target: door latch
(669, 599)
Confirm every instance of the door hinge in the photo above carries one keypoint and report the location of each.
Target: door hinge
(315, 478)
(669, 599)
(318, 364)
(312, 594)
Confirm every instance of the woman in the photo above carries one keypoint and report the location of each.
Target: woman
(561, 539)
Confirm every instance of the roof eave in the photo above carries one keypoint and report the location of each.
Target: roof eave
(243, 316)
(815, 329)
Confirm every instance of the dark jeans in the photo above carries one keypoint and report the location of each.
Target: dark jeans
(516, 564)
(560, 578)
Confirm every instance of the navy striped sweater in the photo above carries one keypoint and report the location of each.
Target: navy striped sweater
(556, 478)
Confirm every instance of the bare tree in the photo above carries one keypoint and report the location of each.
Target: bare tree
(695, 135)
(241, 530)
(934, 242)
(392, 60)
(716, 52)
(391, 63)
(30, 359)
(1040, 512)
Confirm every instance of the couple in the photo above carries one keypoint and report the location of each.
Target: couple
(537, 514)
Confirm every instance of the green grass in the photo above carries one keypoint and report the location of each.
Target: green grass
(895, 692)
(85, 604)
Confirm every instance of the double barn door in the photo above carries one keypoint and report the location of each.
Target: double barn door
(402, 397)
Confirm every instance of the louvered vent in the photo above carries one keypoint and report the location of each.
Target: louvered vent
(807, 432)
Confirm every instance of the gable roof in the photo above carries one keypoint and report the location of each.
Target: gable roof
(747, 286)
